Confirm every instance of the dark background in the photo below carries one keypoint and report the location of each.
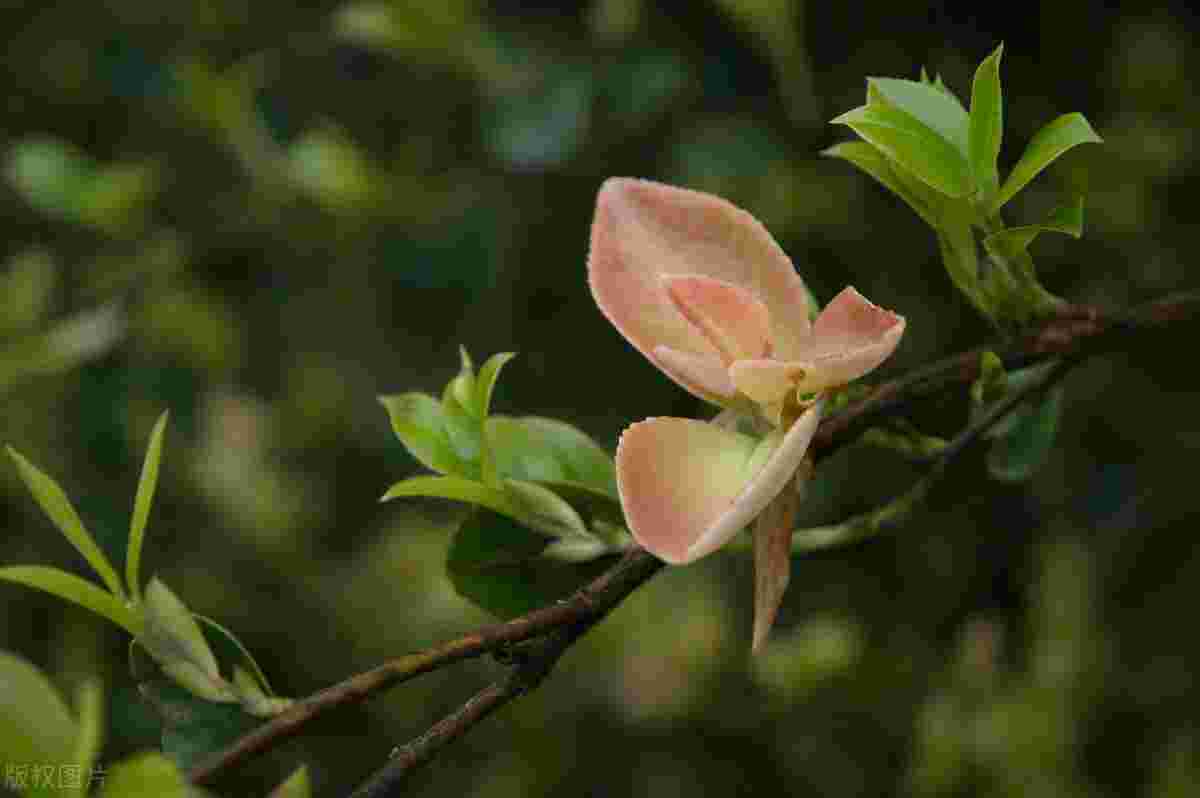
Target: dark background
(301, 208)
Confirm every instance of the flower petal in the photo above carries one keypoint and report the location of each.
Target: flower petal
(676, 478)
(733, 320)
(763, 486)
(642, 230)
(705, 373)
(851, 337)
(773, 559)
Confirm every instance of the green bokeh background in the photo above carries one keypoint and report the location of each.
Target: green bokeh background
(299, 208)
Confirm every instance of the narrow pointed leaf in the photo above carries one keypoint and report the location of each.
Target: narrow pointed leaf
(936, 108)
(987, 124)
(420, 422)
(35, 723)
(960, 255)
(462, 387)
(173, 637)
(141, 505)
(54, 503)
(912, 145)
(76, 590)
(504, 567)
(874, 95)
(1066, 219)
(868, 158)
(229, 650)
(992, 382)
(455, 489)
(462, 430)
(1064, 133)
(525, 503)
(485, 385)
(296, 786)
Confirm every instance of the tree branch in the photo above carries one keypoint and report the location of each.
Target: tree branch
(590, 603)
(1076, 332)
(528, 673)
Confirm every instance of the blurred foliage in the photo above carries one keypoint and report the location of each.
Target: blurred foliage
(261, 216)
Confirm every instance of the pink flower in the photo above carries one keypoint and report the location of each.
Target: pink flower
(701, 288)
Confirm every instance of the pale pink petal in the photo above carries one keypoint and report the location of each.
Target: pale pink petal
(642, 230)
(850, 338)
(676, 478)
(733, 320)
(766, 381)
(704, 375)
(773, 559)
(763, 486)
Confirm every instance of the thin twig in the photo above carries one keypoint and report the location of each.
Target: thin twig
(527, 674)
(1076, 332)
(594, 599)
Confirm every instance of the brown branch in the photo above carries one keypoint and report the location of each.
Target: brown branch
(529, 671)
(1076, 332)
(589, 603)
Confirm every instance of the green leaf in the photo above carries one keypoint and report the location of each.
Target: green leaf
(867, 157)
(1028, 441)
(924, 77)
(193, 728)
(54, 503)
(485, 384)
(89, 704)
(484, 387)
(934, 107)
(35, 724)
(497, 564)
(461, 389)
(296, 786)
(986, 124)
(421, 423)
(913, 146)
(1014, 281)
(147, 775)
(141, 505)
(173, 637)
(455, 489)
(462, 430)
(76, 590)
(1065, 219)
(1069, 130)
(524, 502)
(992, 382)
(960, 255)
(546, 450)
(230, 652)
(544, 510)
